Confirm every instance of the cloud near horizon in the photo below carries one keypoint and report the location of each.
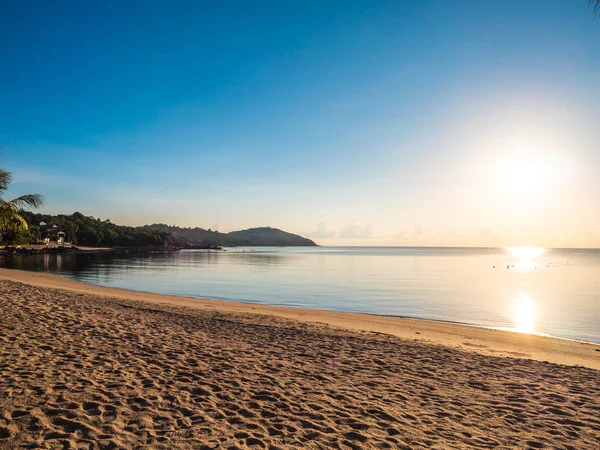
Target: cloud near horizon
(322, 232)
(400, 235)
(356, 231)
(417, 231)
(351, 231)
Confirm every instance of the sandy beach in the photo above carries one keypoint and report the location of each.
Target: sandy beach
(88, 367)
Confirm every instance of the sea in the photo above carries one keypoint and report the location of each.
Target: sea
(554, 292)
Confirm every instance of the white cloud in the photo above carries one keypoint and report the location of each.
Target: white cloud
(356, 231)
(322, 232)
(400, 235)
(417, 231)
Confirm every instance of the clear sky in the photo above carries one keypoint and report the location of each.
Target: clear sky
(352, 122)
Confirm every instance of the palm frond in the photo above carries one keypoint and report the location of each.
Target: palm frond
(11, 220)
(594, 5)
(10, 210)
(29, 200)
(5, 180)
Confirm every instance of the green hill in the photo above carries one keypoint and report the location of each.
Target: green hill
(271, 237)
(263, 236)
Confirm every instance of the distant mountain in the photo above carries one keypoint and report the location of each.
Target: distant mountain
(263, 236)
(271, 237)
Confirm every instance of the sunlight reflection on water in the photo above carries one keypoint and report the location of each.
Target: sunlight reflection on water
(524, 307)
(526, 253)
(525, 257)
(524, 314)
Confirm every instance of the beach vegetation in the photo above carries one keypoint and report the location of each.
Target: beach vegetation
(13, 226)
(91, 232)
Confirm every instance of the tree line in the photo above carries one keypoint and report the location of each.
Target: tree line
(84, 231)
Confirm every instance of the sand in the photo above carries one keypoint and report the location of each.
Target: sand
(88, 367)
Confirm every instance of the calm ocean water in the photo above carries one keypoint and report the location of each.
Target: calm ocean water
(554, 292)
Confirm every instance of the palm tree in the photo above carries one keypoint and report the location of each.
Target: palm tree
(595, 5)
(10, 210)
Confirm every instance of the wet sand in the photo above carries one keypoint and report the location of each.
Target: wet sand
(89, 367)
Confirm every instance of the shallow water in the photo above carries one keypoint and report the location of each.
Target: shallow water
(554, 292)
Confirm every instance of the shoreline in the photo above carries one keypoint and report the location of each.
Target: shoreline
(466, 337)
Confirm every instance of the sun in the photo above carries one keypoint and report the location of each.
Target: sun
(524, 182)
(526, 175)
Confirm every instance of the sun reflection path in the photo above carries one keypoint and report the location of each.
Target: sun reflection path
(524, 314)
(526, 255)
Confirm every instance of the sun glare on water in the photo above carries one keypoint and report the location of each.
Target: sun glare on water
(524, 308)
(526, 252)
(526, 256)
(524, 314)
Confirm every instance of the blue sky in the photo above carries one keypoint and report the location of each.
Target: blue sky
(356, 122)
